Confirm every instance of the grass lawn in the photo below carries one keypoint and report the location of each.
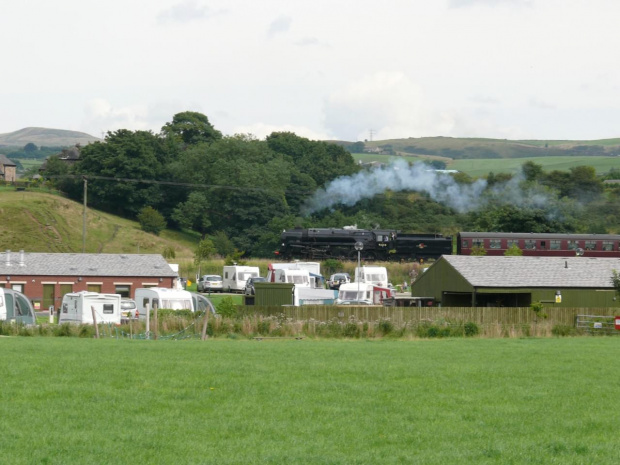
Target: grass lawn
(466, 401)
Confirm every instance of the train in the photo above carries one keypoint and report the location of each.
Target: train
(374, 244)
(394, 245)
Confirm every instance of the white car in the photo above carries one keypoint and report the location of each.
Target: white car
(128, 308)
(210, 283)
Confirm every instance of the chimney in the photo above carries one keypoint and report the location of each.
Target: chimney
(8, 258)
(21, 258)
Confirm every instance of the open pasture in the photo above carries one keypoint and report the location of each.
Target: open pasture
(467, 401)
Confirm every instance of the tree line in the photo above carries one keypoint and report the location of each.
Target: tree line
(240, 192)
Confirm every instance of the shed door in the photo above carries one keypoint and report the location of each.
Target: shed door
(49, 296)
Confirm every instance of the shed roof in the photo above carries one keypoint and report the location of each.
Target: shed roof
(530, 272)
(78, 264)
(5, 161)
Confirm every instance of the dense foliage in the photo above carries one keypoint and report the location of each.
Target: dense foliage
(241, 192)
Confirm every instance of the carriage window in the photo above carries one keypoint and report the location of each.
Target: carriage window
(530, 244)
(572, 245)
(478, 242)
(465, 243)
(495, 243)
(511, 242)
(543, 244)
(590, 245)
(608, 245)
(556, 245)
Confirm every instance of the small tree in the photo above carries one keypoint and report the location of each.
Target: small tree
(478, 250)
(169, 252)
(204, 250)
(615, 280)
(151, 220)
(235, 258)
(513, 251)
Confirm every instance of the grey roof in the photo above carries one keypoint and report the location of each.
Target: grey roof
(5, 161)
(530, 272)
(78, 264)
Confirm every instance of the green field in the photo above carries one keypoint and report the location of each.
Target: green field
(482, 166)
(466, 401)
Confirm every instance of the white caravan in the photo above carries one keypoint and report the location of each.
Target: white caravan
(77, 307)
(235, 277)
(362, 294)
(15, 307)
(376, 275)
(162, 298)
(313, 268)
(300, 278)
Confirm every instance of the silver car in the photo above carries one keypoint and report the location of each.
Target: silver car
(210, 283)
(128, 308)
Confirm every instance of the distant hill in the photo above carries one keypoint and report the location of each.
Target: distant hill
(475, 148)
(45, 137)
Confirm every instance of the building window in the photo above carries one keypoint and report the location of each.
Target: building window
(608, 245)
(124, 290)
(556, 245)
(530, 244)
(590, 245)
(495, 243)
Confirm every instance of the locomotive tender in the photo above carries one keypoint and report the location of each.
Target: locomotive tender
(378, 244)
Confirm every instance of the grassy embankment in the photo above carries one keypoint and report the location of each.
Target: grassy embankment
(467, 401)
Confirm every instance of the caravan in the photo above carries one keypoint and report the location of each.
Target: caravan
(78, 308)
(15, 307)
(235, 277)
(363, 294)
(311, 269)
(162, 297)
(376, 275)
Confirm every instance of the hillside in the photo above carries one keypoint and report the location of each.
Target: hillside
(45, 137)
(44, 222)
(476, 148)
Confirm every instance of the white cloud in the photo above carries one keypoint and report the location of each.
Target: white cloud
(101, 116)
(261, 130)
(389, 104)
(466, 3)
(185, 12)
(279, 25)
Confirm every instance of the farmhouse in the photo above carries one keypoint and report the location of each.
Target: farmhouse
(499, 281)
(46, 277)
(7, 169)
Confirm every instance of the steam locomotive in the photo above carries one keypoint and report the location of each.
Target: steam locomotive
(390, 244)
(375, 244)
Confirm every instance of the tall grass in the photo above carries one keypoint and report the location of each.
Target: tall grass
(467, 401)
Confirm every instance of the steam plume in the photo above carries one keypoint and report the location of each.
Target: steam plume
(441, 187)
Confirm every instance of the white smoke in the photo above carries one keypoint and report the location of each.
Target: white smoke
(420, 177)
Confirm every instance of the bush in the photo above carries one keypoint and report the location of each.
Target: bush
(471, 329)
(563, 330)
(227, 308)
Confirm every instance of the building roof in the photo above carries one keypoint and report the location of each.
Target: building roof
(78, 264)
(5, 161)
(530, 272)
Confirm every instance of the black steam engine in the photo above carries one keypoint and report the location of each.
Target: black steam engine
(378, 244)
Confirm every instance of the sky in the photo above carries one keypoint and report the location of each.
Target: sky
(325, 69)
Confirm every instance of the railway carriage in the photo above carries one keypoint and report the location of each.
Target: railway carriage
(541, 244)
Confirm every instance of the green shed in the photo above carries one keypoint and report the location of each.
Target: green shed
(481, 281)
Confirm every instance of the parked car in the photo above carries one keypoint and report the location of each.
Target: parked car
(249, 284)
(337, 279)
(128, 308)
(210, 283)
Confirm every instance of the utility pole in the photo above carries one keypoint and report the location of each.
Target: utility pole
(84, 215)
(371, 133)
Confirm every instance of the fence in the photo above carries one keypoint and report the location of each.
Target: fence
(402, 315)
(597, 324)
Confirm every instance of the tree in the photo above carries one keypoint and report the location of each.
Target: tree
(204, 251)
(151, 220)
(478, 250)
(532, 171)
(30, 147)
(513, 251)
(615, 280)
(191, 128)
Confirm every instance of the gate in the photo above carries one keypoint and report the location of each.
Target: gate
(594, 324)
